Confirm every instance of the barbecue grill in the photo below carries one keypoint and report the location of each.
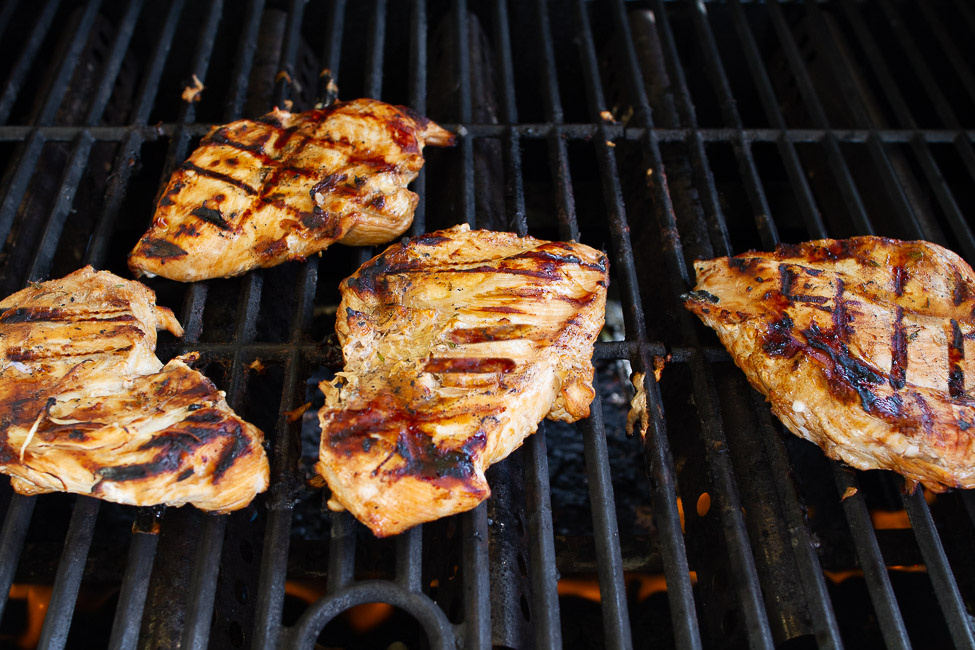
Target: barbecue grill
(660, 132)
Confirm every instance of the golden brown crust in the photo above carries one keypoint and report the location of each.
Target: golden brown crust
(862, 346)
(257, 193)
(456, 343)
(86, 406)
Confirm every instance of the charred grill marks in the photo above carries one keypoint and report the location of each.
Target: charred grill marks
(956, 355)
(898, 351)
(151, 247)
(470, 365)
(212, 216)
(230, 180)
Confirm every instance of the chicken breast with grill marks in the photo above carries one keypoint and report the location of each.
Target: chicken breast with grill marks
(257, 193)
(864, 346)
(456, 345)
(86, 406)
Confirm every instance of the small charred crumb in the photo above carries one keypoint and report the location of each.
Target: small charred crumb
(295, 414)
(192, 92)
(701, 295)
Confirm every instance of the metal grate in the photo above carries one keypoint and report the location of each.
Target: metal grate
(662, 132)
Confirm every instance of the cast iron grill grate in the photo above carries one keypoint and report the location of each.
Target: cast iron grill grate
(661, 132)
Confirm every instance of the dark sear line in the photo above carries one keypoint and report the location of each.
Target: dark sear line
(56, 314)
(898, 351)
(956, 354)
(209, 173)
(151, 247)
(491, 333)
(900, 279)
(787, 277)
(470, 365)
(841, 318)
(210, 215)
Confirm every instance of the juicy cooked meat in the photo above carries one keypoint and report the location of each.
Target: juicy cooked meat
(257, 193)
(456, 345)
(88, 408)
(862, 346)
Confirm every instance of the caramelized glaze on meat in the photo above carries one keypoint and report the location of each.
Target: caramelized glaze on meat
(456, 345)
(864, 346)
(257, 193)
(87, 407)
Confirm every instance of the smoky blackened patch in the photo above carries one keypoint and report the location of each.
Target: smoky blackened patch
(212, 216)
(779, 340)
(152, 247)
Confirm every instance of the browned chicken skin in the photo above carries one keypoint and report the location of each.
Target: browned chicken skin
(257, 193)
(88, 408)
(456, 345)
(864, 346)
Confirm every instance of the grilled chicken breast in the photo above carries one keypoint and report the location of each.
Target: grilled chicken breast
(257, 193)
(864, 346)
(86, 406)
(456, 345)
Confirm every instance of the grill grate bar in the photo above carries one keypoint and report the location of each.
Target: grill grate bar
(903, 207)
(767, 229)
(608, 552)
(374, 58)
(135, 583)
(542, 130)
(837, 163)
(6, 13)
(476, 568)
(687, 116)
(19, 73)
(743, 565)
(15, 525)
(860, 527)
(656, 445)
(810, 570)
(409, 554)
(543, 574)
(462, 57)
(920, 68)
(947, 115)
(118, 183)
(558, 150)
(963, 71)
(341, 551)
(770, 103)
(418, 99)
(244, 61)
(59, 86)
(203, 586)
(57, 619)
(871, 561)
(928, 540)
(113, 65)
(74, 171)
(19, 182)
(514, 181)
(945, 587)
